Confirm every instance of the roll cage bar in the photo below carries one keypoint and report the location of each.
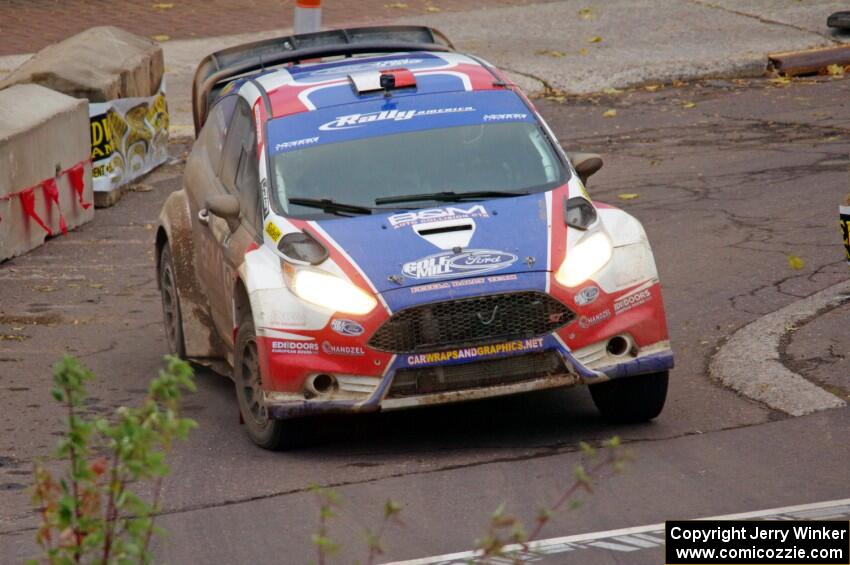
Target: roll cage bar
(219, 68)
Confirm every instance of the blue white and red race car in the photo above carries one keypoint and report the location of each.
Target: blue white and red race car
(373, 221)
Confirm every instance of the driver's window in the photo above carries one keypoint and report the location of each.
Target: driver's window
(239, 168)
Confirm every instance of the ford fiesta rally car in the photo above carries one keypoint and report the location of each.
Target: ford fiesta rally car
(372, 221)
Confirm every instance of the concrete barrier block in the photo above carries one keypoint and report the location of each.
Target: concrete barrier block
(99, 64)
(45, 174)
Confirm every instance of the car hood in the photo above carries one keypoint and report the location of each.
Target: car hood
(451, 242)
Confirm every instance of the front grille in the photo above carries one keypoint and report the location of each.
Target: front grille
(471, 321)
(508, 370)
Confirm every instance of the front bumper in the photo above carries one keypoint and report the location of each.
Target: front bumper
(652, 359)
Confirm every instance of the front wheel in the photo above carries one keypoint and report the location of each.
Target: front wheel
(631, 399)
(265, 432)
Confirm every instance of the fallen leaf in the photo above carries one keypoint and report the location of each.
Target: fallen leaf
(95, 285)
(791, 328)
(13, 337)
(783, 80)
(595, 39)
(161, 37)
(141, 188)
(652, 87)
(550, 53)
(44, 288)
(163, 6)
(557, 98)
(795, 262)
(678, 83)
(628, 196)
(609, 113)
(835, 70)
(689, 105)
(432, 9)
(583, 51)
(586, 14)
(399, 5)
(612, 90)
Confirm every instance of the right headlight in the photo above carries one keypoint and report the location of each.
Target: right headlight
(330, 291)
(584, 260)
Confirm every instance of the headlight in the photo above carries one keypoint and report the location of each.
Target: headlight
(332, 292)
(584, 260)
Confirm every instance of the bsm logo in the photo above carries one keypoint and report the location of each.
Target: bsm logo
(437, 214)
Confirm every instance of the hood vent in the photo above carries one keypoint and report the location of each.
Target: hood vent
(448, 234)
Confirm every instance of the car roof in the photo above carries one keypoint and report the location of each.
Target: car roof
(307, 87)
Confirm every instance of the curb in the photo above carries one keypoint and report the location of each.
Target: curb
(749, 362)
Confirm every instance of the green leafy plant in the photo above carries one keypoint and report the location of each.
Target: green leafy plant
(326, 547)
(89, 513)
(506, 539)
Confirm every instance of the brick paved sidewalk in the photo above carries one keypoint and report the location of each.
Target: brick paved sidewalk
(28, 25)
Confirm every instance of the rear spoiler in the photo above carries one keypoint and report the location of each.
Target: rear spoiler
(219, 68)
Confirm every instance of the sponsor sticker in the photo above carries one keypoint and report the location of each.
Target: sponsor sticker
(436, 215)
(347, 327)
(334, 349)
(283, 146)
(462, 283)
(844, 212)
(503, 117)
(273, 231)
(629, 302)
(450, 264)
(264, 191)
(351, 121)
(476, 352)
(599, 317)
(587, 295)
(295, 347)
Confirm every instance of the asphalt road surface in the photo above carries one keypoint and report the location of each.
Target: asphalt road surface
(731, 178)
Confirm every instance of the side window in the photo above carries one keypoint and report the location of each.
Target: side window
(248, 181)
(239, 166)
(215, 128)
(237, 136)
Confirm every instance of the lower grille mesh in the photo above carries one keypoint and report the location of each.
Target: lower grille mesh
(471, 321)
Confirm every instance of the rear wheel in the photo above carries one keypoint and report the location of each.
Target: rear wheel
(265, 432)
(631, 399)
(171, 314)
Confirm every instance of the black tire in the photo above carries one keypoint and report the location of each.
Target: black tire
(265, 432)
(631, 399)
(172, 315)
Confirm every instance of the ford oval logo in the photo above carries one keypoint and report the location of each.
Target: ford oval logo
(450, 264)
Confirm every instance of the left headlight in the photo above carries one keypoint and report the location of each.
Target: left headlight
(584, 260)
(332, 292)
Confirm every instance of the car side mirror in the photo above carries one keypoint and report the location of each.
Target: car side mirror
(586, 164)
(226, 207)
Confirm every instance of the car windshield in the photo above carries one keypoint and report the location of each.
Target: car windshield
(512, 157)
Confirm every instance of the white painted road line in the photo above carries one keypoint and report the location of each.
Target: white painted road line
(749, 362)
(633, 539)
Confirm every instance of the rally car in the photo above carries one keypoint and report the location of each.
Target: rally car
(370, 220)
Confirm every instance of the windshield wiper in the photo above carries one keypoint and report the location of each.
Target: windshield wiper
(329, 206)
(448, 196)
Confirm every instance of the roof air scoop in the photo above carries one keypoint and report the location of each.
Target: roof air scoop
(378, 80)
